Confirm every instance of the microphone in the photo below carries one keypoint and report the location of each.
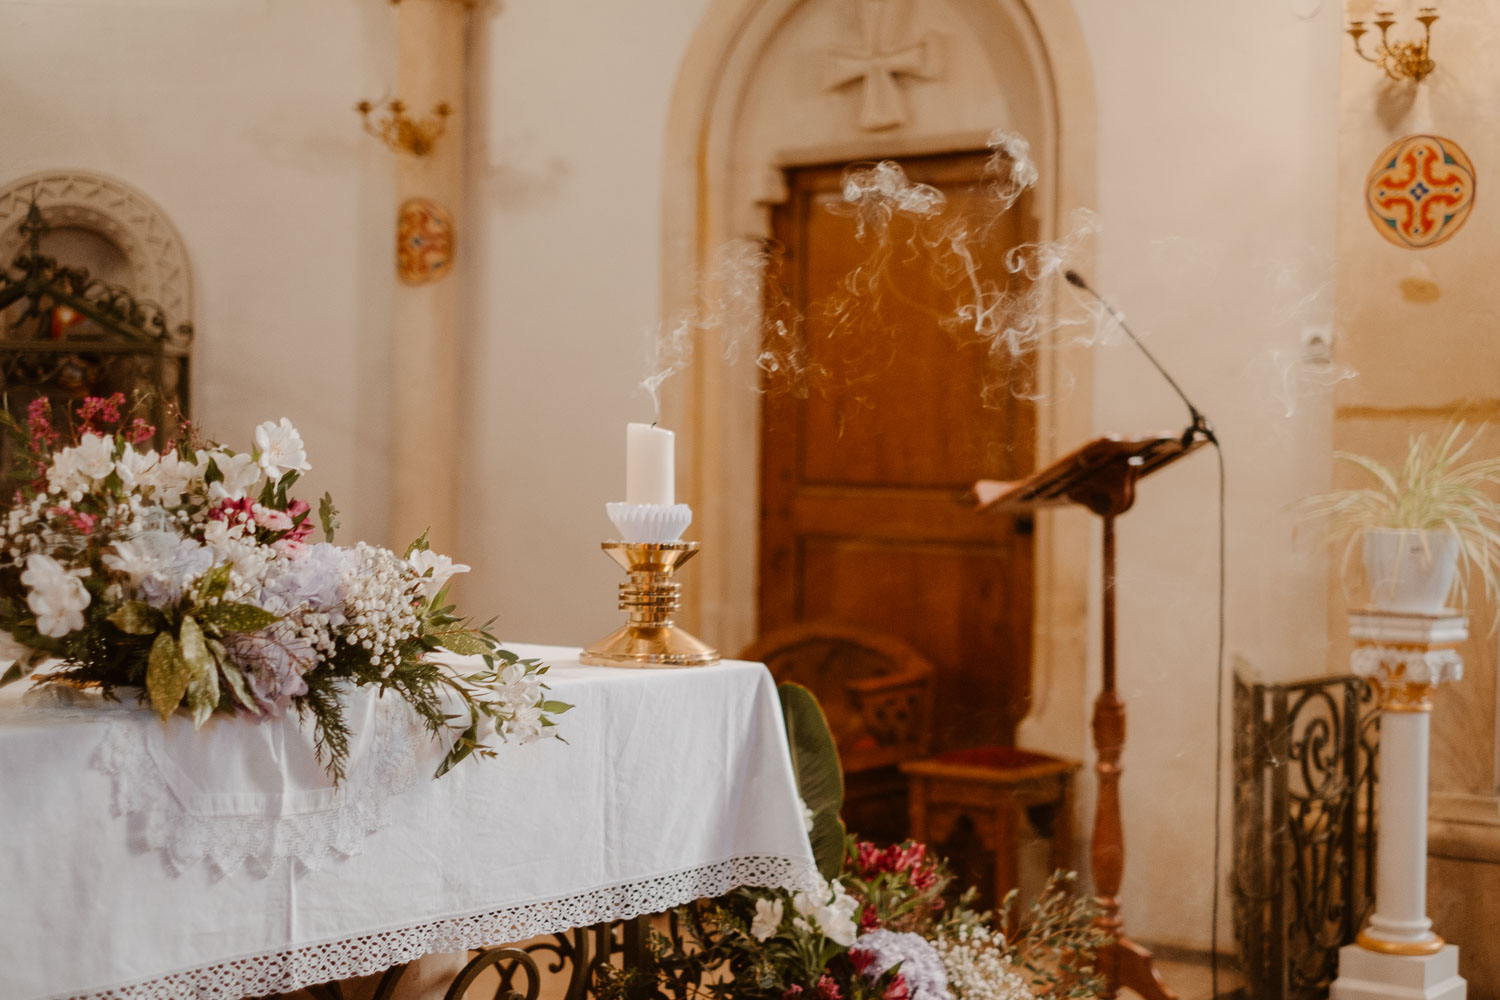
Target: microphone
(1200, 424)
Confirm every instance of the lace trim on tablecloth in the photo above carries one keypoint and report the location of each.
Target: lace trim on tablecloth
(254, 841)
(363, 954)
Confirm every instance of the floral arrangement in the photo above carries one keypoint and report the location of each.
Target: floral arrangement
(884, 929)
(192, 575)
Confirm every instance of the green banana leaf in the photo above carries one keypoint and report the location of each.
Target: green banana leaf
(820, 777)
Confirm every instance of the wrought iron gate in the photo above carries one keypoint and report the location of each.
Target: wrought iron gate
(1304, 834)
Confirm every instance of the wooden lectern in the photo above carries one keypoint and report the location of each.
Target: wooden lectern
(1101, 476)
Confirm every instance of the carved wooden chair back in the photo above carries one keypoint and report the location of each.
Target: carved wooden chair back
(875, 689)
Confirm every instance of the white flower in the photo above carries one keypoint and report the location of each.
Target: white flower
(518, 686)
(132, 558)
(768, 913)
(95, 456)
(11, 648)
(525, 726)
(57, 596)
(978, 966)
(136, 468)
(279, 449)
(837, 918)
(832, 912)
(435, 570)
(807, 816)
(63, 475)
(173, 478)
(240, 475)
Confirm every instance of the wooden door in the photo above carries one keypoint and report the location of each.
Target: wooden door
(865, 518)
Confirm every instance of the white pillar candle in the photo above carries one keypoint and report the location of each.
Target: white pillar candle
(649, 471)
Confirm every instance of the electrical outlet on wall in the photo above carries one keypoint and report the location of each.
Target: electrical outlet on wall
(1317, 343)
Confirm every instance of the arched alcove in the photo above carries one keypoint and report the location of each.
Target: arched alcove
(117, 231)
(751, 99)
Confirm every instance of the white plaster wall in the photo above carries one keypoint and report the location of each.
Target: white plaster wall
(235, 116)
(570, 110)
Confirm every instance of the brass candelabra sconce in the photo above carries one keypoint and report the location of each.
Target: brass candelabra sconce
(400, 133)
(1400, 60)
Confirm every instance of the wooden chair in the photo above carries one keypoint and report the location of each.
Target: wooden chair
(877, 693)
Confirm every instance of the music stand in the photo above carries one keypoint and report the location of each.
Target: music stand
(1101, 476)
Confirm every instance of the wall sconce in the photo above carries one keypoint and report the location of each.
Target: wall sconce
(400, 133)
(1400, 60)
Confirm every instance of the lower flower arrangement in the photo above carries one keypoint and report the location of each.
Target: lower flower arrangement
(888, 926)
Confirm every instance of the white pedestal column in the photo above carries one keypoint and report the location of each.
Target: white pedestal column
(1397, 956)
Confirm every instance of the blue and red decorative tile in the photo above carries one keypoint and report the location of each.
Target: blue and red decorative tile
(1420, 191)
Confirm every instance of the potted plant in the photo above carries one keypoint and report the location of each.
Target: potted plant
(1422, 527)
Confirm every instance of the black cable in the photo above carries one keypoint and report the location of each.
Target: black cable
(1213, 946)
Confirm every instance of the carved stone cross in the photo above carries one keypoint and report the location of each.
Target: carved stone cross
(880, 62)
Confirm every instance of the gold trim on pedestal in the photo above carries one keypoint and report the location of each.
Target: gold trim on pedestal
(651, 597)
(1389, 668)
(1430, 946)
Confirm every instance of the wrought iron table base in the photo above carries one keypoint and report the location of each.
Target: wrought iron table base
(584, 949)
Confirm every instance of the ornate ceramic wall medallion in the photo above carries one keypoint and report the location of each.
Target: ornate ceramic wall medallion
(1420, 191)
(424, 241)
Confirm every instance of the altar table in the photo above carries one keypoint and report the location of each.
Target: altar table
(672, 785)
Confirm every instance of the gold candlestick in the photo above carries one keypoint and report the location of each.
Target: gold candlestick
(651, 597)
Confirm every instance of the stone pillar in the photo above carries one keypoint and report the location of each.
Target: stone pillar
(426, 309)
(1397, 956)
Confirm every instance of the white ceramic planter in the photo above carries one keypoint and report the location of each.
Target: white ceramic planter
(1410, 570)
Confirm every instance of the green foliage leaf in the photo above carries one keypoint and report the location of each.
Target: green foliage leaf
(12, 675)
(167, 676)
(213, 583)
(233, 617)
(328, 515)
(239, 689)
(203, 684)
(287, 482)
(464, 642)
(137, 618)
(420, 545)
(462, 747)
(820, 777)
(213, 474)
(554, 707)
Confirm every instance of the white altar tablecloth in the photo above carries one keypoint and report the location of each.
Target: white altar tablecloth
(672, 785)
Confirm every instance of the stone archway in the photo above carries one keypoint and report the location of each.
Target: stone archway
(748, 102)
(117, 213)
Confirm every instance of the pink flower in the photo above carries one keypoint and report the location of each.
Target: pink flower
(39, 423)
(99, 408)
(294, 510)
(272, 520)
(290, 547)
